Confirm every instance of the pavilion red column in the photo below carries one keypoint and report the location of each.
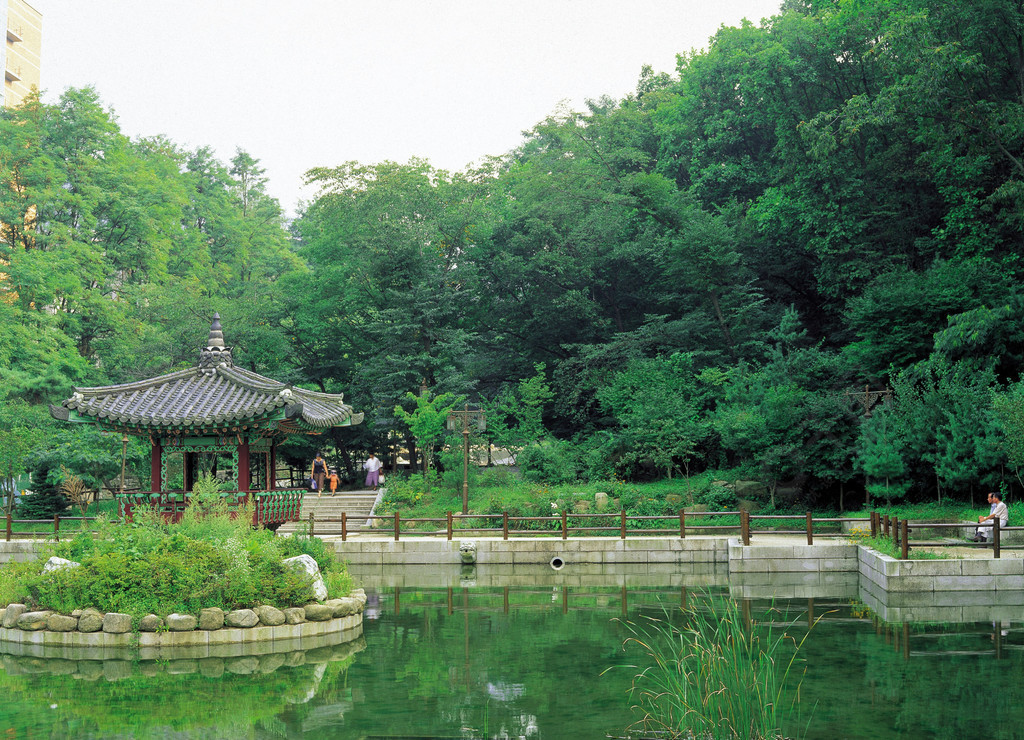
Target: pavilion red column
(155, 474)
(272, 473)
(243, 465)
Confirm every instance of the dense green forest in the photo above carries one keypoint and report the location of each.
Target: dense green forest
(700, 275)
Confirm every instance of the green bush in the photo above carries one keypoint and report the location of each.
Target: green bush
(550, 462)
(209, 559)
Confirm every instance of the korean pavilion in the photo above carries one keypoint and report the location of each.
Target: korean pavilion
(213, 418)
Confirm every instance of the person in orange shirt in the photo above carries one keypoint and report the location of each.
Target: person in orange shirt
(333, 480)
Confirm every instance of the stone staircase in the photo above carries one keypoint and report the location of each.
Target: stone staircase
(353, 503)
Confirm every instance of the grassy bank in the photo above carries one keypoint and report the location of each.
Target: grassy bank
(494, 491)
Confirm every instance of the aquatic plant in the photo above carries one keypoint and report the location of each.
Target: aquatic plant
(721, 675)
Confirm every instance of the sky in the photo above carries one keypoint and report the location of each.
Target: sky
(311, 83)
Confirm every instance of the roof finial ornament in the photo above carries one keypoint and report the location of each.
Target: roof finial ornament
(216, 353)
(216, 334)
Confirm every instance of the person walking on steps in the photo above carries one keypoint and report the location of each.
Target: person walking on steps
(319, 473)
(372, 468)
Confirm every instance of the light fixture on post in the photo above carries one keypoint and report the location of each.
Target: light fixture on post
(462, 419)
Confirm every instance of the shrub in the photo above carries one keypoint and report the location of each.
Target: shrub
(46, 498)
(550, 462)
(148, 566)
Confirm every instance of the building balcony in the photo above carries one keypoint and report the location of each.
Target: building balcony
(13, 74)
(14, 35)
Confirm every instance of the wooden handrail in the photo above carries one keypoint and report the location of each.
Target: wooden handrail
(560, 524)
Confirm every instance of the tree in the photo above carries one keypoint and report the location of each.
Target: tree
(19, 434)
(515, 416)
(1009, 410)
(659, 405)
(390, 307)
(880, 456)
(426, 422)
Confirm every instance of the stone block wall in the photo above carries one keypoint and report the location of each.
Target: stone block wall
(897, 576)
(830, 557)
(538, 550)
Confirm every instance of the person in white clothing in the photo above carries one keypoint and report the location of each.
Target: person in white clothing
(372, 468)
(998, 511)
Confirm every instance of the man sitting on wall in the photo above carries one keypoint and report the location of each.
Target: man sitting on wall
(999, 511)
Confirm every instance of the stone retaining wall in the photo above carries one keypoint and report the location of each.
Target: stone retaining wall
(213, 629)
(19, 551)
(832, 557)
(895, 576)
(519, 551)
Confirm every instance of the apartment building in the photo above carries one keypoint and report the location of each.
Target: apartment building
(20, 55)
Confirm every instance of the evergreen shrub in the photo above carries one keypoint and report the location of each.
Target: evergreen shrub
(46, 500)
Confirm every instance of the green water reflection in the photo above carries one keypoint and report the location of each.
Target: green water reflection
(518, 663)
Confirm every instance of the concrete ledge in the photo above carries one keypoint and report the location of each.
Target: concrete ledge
(200, 639)
(908, 576)
(362, 551)
(334, 646)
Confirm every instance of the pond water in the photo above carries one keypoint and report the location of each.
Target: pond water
(523, 661)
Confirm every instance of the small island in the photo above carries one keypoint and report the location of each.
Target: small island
(210, 579)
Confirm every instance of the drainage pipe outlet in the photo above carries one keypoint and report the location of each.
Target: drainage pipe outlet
(557, 563)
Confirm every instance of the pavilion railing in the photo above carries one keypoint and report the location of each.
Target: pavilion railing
(271, 507)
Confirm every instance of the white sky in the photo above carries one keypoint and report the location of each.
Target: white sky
(306, 83)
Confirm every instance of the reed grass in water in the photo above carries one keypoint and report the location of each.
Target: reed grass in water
(720, 676)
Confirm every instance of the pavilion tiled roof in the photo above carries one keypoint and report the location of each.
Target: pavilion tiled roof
(216, 393)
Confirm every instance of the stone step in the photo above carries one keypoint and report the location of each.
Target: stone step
(355, 504)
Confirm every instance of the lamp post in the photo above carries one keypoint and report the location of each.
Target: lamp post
(466, 416)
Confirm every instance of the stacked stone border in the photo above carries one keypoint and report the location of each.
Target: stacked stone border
(213, 627)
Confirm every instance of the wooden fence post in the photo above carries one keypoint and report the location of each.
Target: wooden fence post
(682, 524)
(622, 526)
(874, 524)
(344, 526)
(745, 526)
(904, 544)
(810, 529)
(565, 524)
(504, 525)
(396, 526)
(449, 526)
(995, 537)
